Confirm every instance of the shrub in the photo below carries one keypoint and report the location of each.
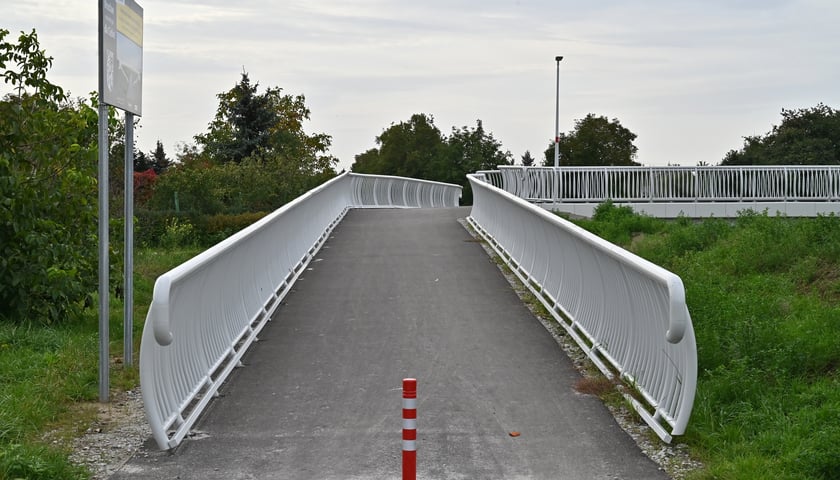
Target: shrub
(218, 227)
(178, 233)
(48, 212)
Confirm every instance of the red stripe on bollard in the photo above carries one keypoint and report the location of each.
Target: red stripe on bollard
(409, 433)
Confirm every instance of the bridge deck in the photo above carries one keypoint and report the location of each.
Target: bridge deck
(393, 294)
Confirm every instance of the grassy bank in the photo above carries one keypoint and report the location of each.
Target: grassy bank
(764, 296)
(49, 378)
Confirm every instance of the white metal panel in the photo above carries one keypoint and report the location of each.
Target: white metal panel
(626, 313)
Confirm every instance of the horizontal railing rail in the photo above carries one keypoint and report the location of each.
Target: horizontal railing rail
(670, 184)
(207, 311)
(626, 313)
(390, 192)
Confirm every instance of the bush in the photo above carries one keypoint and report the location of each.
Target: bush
(619, 224)
(48, 210)
(178, 233)
(764, 298)
(166, 228)
(218, 227)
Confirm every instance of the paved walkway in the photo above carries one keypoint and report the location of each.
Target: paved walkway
(393, 294)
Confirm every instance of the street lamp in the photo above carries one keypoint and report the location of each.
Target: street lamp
(557, 117)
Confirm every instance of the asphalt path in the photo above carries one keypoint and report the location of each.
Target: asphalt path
(395, 294)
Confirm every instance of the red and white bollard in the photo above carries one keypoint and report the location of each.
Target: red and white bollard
(409, 433)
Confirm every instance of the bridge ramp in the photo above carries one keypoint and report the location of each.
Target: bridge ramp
(394, 294)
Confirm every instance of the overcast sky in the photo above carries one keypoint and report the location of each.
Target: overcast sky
(689, 78)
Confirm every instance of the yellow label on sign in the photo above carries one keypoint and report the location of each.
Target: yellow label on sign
(130, 24)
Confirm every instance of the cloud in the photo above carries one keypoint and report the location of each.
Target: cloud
(690, 78)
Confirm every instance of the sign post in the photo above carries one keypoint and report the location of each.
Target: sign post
(121, 86)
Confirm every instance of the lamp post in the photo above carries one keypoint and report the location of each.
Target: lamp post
(557, 117)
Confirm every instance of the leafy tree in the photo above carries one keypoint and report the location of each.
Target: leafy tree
(144, 185)
(417, 149)
(808, 136)
(595, 141)
(469, 150)
(368, 162)
(48, 189)
(475, 149)
(407, 149)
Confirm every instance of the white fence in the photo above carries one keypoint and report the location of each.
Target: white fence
(207, 311)
(626, 313)
(723, 191)
(638, 184)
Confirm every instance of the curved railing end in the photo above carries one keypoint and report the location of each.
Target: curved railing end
(679, 319)
(158, 314)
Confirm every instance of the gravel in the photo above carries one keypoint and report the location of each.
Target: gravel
(119, 431)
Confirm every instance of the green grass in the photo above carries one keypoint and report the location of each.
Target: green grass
(764, 296)
(49, 377)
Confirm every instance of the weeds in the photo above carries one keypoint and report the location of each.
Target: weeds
(764, 296)
(47, 371)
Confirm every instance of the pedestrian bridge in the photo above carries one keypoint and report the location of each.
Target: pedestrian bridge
(669, 192)
(362, 296)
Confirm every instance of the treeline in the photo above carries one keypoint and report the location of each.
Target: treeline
(416, 148)
(254, 157)
(807, 136)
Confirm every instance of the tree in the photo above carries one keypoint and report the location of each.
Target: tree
(142, 162)
(808, 136)
(48, 211)
(527, 159)
(475, 149)
(595, 141)
(254, 157)
(368, 162)
(471, 150)
(407, 149)
(159, 162)
(242, 123)
(251, 124)
(417, 149)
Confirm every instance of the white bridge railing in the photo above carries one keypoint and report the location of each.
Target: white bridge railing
(675, 184)
(207, 311)
(695, 191)
(626, 313)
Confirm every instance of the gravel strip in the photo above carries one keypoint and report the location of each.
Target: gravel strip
(117, 434)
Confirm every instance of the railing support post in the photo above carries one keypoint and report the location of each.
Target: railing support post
(409, 432)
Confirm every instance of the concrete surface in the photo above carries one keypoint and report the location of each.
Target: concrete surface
(394, 294)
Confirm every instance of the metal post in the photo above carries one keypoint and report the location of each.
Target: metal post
(128, 259)
(557, 117)
(409, 433)
(104, 335)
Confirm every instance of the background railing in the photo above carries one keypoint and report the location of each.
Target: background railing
(207, 311)
(669, 184)
(384, 191)
(626, 313)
